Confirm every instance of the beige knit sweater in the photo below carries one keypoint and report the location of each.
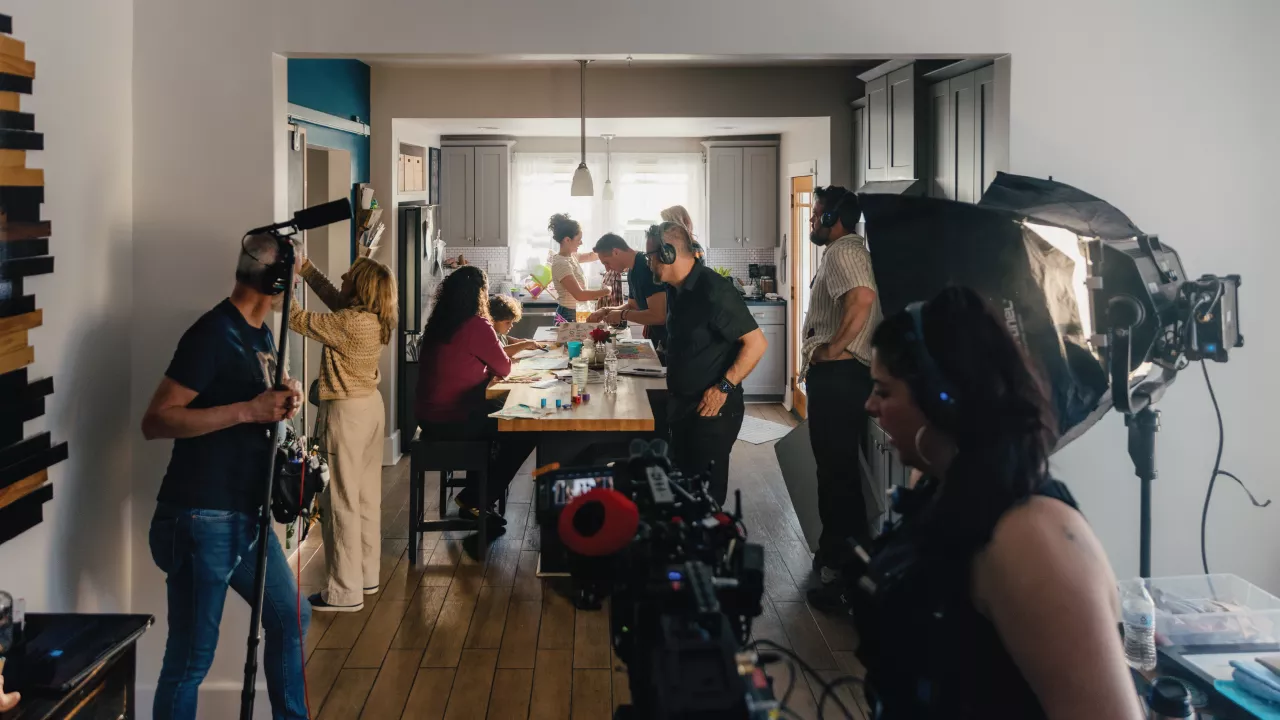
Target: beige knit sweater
(351, 337)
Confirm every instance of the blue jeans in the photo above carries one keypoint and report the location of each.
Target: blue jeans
(203, 552)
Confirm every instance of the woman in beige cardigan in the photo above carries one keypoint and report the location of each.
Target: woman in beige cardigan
(350, 423)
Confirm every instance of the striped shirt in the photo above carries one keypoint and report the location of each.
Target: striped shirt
(846, 265)
(566, 266)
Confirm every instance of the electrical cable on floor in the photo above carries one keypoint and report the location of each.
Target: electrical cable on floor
(806, 668)
(830, 689)
(1217, 470)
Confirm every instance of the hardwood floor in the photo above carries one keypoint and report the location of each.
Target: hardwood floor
(456, 638)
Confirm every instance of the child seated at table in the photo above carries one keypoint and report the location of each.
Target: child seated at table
(506, 311)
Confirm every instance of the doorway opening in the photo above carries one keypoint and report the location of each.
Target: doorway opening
(806, 263)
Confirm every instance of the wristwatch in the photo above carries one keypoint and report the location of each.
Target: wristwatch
(725, 386)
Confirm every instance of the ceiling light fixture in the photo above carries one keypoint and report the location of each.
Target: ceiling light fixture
(608, 166)
(582, 186)
(486, 127)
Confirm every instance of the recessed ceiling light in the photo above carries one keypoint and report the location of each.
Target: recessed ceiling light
(727, 127)
(486, 127)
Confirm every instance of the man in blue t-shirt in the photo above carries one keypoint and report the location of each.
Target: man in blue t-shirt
(647, 298)
(216, 403)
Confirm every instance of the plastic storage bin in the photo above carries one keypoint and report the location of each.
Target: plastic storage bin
(1224, 609)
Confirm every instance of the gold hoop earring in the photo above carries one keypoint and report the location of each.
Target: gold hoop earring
(919, 451)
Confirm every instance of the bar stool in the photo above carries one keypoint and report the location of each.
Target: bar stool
(446, 457)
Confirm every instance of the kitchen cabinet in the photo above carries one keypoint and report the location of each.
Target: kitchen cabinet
(742, 196)
(769, 379)
(859, 147)
(474, 195)
(968, 142)
(892, 127)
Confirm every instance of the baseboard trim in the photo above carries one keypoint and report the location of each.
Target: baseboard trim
(391, 449)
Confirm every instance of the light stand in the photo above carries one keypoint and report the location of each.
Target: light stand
(1143, 426)
(307, 219)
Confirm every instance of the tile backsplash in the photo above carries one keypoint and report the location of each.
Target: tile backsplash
(494, 260)
(737, 259)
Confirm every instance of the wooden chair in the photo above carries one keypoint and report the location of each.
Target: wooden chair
(446, 457)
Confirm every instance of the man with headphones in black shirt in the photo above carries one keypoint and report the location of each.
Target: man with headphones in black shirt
(713, 343)
(844, 309)
(217, 404)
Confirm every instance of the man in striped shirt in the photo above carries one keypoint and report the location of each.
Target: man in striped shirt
(844, 309)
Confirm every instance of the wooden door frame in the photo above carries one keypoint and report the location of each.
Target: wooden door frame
(799, 245)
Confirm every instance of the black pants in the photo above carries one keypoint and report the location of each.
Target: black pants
(700, 442)
(837, 393)
(510, 449)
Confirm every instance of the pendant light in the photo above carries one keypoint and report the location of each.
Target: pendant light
(582, 186)
(608, 167)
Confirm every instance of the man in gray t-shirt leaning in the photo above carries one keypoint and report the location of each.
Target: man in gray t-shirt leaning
(844, 309)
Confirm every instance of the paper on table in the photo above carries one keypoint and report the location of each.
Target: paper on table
(544, 384)
(522, 412)
(526, 354)
(545, 363)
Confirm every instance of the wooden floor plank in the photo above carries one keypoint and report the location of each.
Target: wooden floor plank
(837, 629)
(445, 648)
(376, 637)
(591, 643)
(420, 618)
(348, 694)
(467, 581)
(470, 697)
(404, 580)
(592, 695)
(320, 623)
(528, 586)
(552, 685)
(391, 690)
(520, 638)
(489, 619)
(778, 585)
(430, 694)
(322, 670)
(502, 566)
(509, 699)
(806, 639)
(556, 632)
(621, 688)
(345, 629)
(438, 571)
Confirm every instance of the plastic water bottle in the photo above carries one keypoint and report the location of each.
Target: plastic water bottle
(579, 367)
(1139, 614)
(610, 369)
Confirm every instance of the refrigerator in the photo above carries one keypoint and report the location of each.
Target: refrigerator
(418, 252)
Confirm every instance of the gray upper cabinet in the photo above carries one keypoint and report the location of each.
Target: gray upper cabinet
(742, 196)
(724, 197)
(859, 147)
(902, 123)
(474, 192)
(760, 198)
(968, 142)
(492, 170)
(876, 130)
(457, 195)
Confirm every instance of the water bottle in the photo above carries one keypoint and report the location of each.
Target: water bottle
(1139, 613)
(610, 369)
(579, 367)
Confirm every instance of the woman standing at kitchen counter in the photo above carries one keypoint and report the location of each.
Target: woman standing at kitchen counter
(566, 267)
(679, 215)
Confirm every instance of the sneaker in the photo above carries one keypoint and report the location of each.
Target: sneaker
(829, 575)
(371, 590)
(319, 605)
(469, 512)
(828, 598)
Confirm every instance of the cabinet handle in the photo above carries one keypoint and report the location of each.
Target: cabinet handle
(746, 240)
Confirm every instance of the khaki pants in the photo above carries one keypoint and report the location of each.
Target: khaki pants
(352, 506)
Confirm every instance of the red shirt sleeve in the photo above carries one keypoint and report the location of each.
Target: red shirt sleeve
(483, 342)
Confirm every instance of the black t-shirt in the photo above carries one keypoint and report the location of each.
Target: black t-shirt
(706, 318)
(225, 360)
(642, 285)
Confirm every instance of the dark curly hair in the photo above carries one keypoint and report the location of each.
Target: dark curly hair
(1001, 420)
(462, 295)
(562, 226)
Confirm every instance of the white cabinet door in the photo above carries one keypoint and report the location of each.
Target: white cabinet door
(877, 130)
(770, 375)
(760, 198)
(491, 170)
(902, 124)
(457, 195)
(724, 197)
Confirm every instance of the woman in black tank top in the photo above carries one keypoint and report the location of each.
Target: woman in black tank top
(992, 596)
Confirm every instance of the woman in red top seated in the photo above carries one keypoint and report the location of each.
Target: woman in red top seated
(460, 356)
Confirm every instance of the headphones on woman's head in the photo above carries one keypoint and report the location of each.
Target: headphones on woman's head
(935, 395)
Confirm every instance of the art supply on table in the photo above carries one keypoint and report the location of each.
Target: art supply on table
(635, 350)
(574, 347)
(544, 402)
(557, 403)
(586, 397)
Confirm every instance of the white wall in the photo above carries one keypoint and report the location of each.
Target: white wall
(78, 558)
(1161, 106)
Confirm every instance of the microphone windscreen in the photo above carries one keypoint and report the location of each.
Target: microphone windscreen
(323, 214)
(598, 523)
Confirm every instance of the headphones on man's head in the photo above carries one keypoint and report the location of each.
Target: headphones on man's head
(841, 205)
(934, 394)
(275, 277)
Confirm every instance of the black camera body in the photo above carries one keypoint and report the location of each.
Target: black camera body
(684, 588)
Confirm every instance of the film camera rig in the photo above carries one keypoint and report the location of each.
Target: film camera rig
(684, 582)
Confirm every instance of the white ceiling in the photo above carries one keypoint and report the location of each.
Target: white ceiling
(622, 127)
(614, 60)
